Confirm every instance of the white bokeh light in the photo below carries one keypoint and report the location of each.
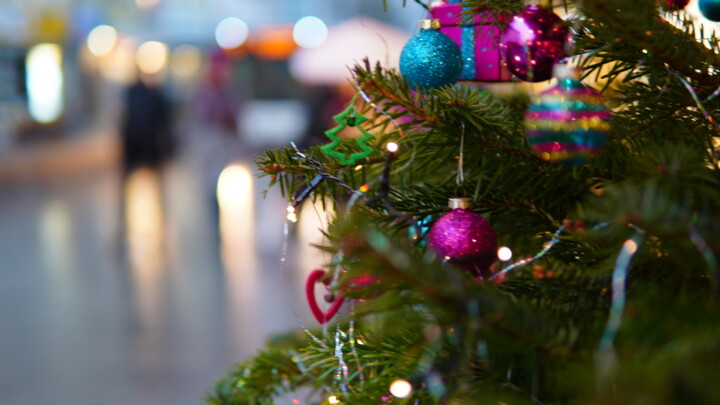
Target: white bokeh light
(504, 253)
(151, 57)
(119, 65)
(44, 81)
(234, 185)
(231, 33)
(401, 388)
(310, 32)
(147, 4)
(101, 40)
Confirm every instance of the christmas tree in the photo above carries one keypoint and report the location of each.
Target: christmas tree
(609, 208)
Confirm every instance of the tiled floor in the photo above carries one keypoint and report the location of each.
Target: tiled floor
(83, 323)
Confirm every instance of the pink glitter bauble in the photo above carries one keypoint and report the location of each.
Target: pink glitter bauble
(464, 239)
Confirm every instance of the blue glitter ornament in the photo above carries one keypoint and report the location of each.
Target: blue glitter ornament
(431, 59)
(710, 9)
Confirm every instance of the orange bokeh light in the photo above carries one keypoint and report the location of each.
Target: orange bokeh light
(274, 42)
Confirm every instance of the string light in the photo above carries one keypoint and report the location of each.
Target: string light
(378, 108)
(605, 359)
(341, 375)
(353, 341)
(401, 388)
(504, 253)
(630, 247)
(546, 248)
(384, 188)
(695, 96)
(292, 215)
(333, 399)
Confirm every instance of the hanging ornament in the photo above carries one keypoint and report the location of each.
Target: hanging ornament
(477, 40)
(350, 117)
(569, 122)
(533, 41)
(464, 238)
(675, 4)
(710, 9)
(430, 59)
(335, 300)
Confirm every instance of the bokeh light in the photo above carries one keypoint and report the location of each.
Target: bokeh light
(291, 215)
(504, 253)
(119, 65)
(185, 61)
(147, 4)
(144, 220)
(101, 40)
(310, 32)
(44, 82)
(630, 247)
(151, 57)
(235, 197)
(231, 32)
(273, 42)
(401, 388)
(233, 186)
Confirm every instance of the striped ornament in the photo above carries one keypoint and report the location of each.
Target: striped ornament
(568, 123)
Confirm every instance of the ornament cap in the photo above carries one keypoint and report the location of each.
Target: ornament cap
(460, 203)
(429, 24)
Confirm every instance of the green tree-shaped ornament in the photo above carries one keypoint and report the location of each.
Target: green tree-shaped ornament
(348, 118)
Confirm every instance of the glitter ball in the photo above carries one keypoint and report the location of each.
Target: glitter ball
(465, 239)
(533, 41)
(431, 60)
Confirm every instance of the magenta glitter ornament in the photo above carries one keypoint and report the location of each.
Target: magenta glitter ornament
(676, 4)
(533, 41)
(464, 238)
(477, 40)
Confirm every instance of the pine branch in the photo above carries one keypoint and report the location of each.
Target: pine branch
(637, 24)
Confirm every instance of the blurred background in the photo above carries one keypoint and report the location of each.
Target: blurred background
(138, 257)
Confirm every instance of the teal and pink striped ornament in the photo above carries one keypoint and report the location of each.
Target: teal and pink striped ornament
(568, 123)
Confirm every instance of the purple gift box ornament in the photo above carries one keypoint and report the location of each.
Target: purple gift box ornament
(478, 42)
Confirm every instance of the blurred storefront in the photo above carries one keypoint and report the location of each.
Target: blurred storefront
(65, 63)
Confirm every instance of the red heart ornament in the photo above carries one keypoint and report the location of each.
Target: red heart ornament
(321, 316)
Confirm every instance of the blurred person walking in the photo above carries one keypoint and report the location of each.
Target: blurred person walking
(147, 144)
(146, 134)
